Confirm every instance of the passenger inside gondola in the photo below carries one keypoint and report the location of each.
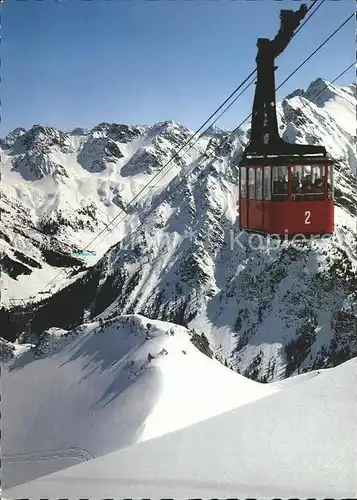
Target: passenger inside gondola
(318, 189)
(307, 183)
(280, 184)
(295, 184)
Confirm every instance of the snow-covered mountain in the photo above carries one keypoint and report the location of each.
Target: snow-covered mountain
(112, 363)
(268, 313)
(60, 190)
(297, 443)
(80, 394)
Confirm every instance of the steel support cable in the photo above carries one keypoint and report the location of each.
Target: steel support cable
(291, 74)
(170, 160)
(318, 48)
(217, 149)
(183, 180)
(205, 123)
(300, 65)
(253, 81)
(235, 99)
(310, 16)
(302, 25)
(249, 84)
(182, 147)
(158, 173)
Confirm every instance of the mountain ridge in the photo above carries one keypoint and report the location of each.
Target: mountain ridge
(269, 312)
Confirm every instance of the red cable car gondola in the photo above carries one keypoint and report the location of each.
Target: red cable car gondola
(285, 189)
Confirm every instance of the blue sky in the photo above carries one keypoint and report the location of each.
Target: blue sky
(76, 63)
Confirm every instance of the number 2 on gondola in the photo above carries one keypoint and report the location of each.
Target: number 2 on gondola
(307, 217)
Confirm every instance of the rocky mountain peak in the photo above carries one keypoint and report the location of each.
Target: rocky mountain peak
(41, 139)
(320, 91)
(117, 132)
(11, 137)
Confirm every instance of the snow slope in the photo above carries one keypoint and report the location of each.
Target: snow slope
(60, 190)
(339, 101)
(270, 312)
(298, 443)
(81, 394)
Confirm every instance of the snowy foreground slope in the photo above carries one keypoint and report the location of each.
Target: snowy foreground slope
(298, 443)
(79, 395)
(270, 311)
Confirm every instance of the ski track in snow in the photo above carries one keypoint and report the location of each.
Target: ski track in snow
(114, 394)
(80, 453)
(291, 444)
